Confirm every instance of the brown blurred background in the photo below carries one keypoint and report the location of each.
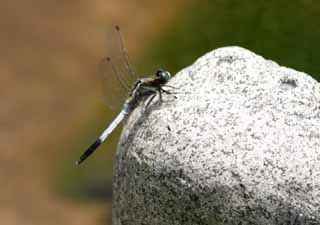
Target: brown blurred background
(49, 51)
(51, 105)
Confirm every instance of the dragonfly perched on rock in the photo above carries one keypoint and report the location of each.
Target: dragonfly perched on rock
(140, 90)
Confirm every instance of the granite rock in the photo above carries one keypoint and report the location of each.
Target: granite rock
(238, 143)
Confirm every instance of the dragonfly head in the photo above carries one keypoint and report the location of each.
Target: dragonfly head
(163, 75)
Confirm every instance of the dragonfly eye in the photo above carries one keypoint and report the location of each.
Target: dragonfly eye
(163, 74)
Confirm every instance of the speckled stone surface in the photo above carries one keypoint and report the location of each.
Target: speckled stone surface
(239, 145)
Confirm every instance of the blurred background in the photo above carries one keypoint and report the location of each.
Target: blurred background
(51, 104)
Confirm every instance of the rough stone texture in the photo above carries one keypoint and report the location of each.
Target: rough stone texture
(239, 145)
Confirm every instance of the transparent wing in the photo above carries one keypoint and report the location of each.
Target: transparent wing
(116, 73)
(113, 93)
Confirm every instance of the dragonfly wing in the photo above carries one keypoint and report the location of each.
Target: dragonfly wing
(92, 148)
(115, 75)
(112, 94)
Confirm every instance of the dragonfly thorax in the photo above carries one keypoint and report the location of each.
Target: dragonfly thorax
(146, 87)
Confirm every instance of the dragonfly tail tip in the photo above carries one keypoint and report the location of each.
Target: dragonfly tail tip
(89, 151)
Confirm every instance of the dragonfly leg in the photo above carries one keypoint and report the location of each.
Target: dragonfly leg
(160, 90)
(150, 100)
(167, 92)
(169, 86)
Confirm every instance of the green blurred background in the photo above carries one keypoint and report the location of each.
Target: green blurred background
(50, 92)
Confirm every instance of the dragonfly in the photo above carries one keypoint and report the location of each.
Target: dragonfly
(140, 90)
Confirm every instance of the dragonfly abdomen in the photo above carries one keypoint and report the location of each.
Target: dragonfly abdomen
(124, 112)
(93, 147)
